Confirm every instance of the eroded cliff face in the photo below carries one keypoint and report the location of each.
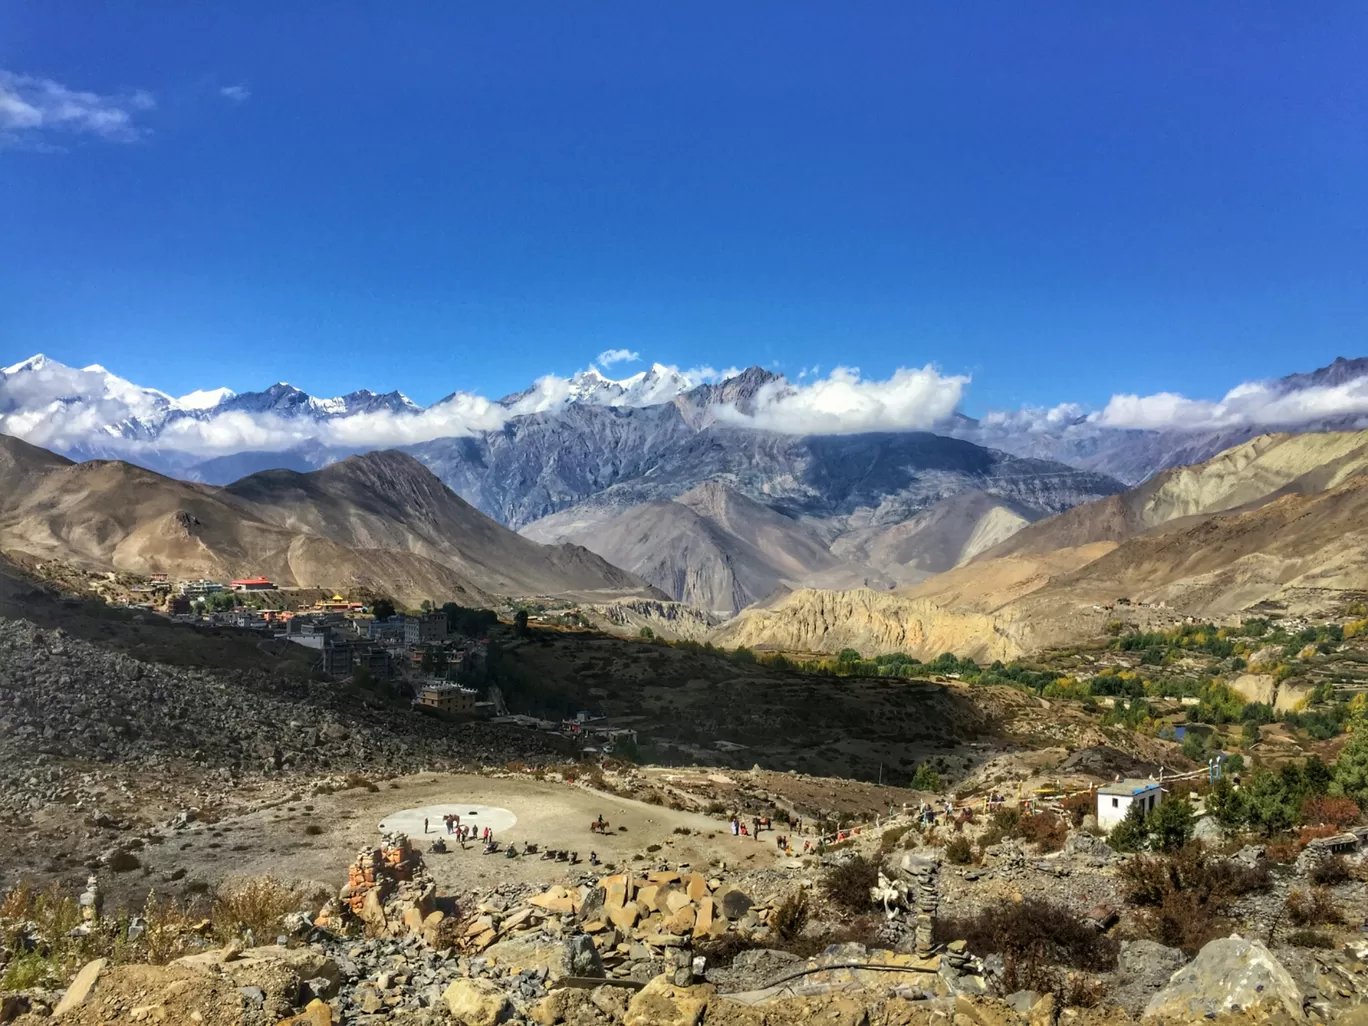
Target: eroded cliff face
(874, 623)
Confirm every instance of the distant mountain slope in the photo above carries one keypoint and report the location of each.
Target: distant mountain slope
(379, 521)
(1253, 472)
(711, 547)
(388, 500)
(621, 457)
(723, 516)
(1281, 518)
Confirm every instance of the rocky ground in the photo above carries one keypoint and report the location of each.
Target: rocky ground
(189, 782)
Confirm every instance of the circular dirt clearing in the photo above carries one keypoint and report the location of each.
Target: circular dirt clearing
(410, 821)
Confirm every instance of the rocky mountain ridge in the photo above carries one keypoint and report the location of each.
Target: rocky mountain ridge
(379, 521)
(1278, 520)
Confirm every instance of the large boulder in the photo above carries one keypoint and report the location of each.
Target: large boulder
(81, 987)
(477, 1002)
(661, 1003)
(580, 957)
(1231, 974)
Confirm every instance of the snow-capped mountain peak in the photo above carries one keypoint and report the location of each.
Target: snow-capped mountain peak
(36, 362)
(204, 399)
(660, 384)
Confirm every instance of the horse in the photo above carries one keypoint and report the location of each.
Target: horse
(598, 826)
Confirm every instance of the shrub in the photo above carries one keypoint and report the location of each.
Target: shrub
(1310, 939)
(1037, 939)
(357, 780)
(1185, 895)
(1326, 811)
(124, 862)
(1315, 907)
(1077, 806)
(888, 842)
(958, 851)
(1329, 872)
(847, 885)
(790, 916)
(255, 904)
(1002, 825)
(1047, 832)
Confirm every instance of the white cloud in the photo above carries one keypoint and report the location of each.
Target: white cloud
(1255, 404)
(236, 93)
(844, 403)
(611, 356)
(36, 111)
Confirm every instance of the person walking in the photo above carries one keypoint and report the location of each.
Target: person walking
(425, 824)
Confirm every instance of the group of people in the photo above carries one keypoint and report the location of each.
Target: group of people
(452, 822)
(738, 828)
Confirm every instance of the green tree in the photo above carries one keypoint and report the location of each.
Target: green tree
(1170, 825)
(926, 779)
(848, 655)
(1132, 833)
(646, 633)
(1271, 808)
(382, 609)
(1227, 804)
(1351, 768)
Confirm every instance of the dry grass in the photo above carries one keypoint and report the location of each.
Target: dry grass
(256, 904)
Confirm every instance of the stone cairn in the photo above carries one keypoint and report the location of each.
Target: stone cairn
(92, 905)
(379, 870)
(923, 877)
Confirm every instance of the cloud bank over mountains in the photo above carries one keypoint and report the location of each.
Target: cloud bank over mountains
(91, 410)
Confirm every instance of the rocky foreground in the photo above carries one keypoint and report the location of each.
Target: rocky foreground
(648, 947)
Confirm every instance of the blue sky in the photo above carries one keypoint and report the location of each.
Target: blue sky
(1063, 200)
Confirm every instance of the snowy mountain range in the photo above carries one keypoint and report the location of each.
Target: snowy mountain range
(91, 412)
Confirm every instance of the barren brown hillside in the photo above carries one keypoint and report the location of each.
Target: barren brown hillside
(379, 521)
(1282, 518)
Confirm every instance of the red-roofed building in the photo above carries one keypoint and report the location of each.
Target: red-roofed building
(252, 584)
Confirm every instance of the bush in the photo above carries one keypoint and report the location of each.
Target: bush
(1046, 831)
(255, 904)
(958, 852)
(1315, 907)
(926, 779)
(1185, 895)
(1329, 872)
(1326, 811)
(888, 842)
(1036, 939)
(848, 885)
(790, 916)
(1003, 825)
(313, 830)
(1310, 939)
